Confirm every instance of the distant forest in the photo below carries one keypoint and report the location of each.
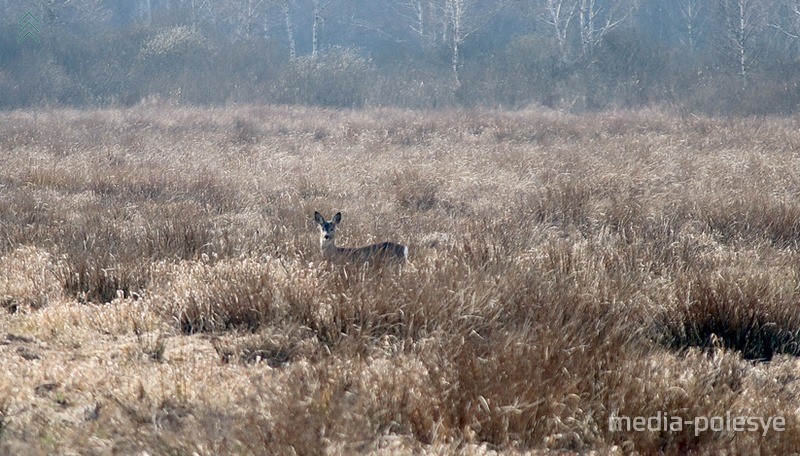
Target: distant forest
(723, 57)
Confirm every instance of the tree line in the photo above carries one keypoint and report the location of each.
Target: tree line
(715, 56)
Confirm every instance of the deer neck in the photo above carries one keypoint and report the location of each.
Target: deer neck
(328, 248)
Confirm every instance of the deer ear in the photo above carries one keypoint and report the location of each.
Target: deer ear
(319, 218)
(337, 218)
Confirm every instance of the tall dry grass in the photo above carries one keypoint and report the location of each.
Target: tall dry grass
(164, 289)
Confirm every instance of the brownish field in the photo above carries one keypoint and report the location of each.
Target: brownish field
(162, 288)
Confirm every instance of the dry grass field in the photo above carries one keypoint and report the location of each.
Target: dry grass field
(163, 291)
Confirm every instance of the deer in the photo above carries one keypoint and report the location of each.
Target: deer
(380, 253)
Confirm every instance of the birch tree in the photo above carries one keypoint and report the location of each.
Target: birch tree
(598, 18)
(742, 21)
(421, 16)
(455, 11)
(692, 16)
(287, 16)
(247, 16)
(462, 19)
(559, 14)
(319, 10)
(786, 20)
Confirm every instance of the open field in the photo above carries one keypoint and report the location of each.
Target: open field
(163, 291)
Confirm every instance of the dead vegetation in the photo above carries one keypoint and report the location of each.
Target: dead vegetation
(164, 292)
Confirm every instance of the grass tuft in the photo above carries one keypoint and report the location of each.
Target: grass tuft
(753, 314)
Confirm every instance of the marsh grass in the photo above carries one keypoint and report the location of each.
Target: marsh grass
(165, 291)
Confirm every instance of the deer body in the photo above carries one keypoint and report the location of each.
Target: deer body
(374, 253)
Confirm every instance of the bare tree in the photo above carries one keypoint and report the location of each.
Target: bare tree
(794, 6)
(742, 21)
(598, 18)
(404, 22)
(455, 11)
(319, 10)
(254, 12)
(785, 18)
(462, 18)
(246, 15)
(559, 14)
(289, 29)
(243, 15)
(692, 17)
(421, 16)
